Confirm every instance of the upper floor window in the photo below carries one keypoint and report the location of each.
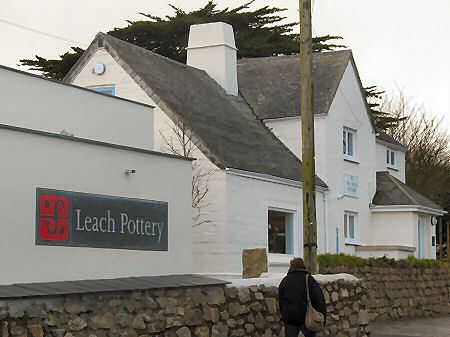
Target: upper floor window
(390, 158)
(105, 89)
(281, 232)
(349, 140)
(350, 227)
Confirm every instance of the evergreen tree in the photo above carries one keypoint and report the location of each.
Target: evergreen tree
(384, 120)
(258, 33)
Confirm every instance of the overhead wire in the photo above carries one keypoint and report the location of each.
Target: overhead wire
(69, 41)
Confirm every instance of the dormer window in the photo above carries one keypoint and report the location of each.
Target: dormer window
(349, 140)
(390, 158)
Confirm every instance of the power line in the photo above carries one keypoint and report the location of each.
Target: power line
(41, 32)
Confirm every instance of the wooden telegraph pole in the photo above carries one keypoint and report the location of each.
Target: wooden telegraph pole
(308, 167)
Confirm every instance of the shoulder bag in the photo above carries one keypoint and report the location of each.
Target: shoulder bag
(314, 320)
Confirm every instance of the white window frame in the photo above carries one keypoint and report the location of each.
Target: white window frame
(347, 215)
(294, 231)
(389, 153)
(104, 88)
(346, 149)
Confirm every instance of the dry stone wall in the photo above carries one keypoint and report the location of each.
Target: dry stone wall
(405, 292)
(215, 311)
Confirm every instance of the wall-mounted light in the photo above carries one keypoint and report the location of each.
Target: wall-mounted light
(434, 221)
(130, 171)
(99, 68)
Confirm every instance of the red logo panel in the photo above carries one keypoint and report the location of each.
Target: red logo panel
(53, 217)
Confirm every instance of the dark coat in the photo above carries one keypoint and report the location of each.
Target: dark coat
(292, 297)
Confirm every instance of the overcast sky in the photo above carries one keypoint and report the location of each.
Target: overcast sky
(404, 43)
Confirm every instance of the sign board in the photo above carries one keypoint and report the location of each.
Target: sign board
(74, 219)
(351, 185)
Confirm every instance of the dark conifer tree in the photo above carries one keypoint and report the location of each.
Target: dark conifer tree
(384, 120)
(258, 33)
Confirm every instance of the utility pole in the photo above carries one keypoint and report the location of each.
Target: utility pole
(308, 157)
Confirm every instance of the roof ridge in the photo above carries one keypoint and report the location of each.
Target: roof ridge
(397, 183)
(261, 58)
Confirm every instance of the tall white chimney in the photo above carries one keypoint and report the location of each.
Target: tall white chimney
(211, 47)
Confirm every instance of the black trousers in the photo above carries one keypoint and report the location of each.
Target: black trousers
(293, 331)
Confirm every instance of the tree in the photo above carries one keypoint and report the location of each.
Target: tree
(57, 68)
(427, 148)
(178, 141)
(258, 33)
(383, 119)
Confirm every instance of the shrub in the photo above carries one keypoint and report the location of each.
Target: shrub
(349, 261)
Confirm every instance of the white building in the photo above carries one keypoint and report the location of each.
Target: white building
(254, 178)
(71, 142)
(372, 211)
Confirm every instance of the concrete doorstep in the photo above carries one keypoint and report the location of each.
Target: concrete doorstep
(421, 327)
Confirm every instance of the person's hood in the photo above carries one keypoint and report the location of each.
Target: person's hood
(299, 270)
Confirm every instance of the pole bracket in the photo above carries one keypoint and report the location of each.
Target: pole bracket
(312, 244)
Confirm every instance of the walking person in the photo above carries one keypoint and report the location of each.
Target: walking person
(292, 297)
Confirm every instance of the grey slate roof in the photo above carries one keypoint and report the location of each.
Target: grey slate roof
(106, 285)
(271, 85)
(232, 135)
(391, 191)
(388, 139)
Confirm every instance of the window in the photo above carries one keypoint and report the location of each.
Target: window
(281, 232)
(108, 90)
(349, 138)
(350, 227)
(390, 158)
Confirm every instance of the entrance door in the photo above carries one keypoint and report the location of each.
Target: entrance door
(421, 238)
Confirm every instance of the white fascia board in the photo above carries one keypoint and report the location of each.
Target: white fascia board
(322, 115)
(407, 208)
(269, 178)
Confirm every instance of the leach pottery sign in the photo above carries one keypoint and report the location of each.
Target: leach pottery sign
(76, 219)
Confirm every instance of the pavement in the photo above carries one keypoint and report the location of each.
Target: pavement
(423, 327)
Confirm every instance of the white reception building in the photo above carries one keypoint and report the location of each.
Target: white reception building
(62, 148)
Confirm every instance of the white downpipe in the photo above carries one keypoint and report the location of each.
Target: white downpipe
(325, 217)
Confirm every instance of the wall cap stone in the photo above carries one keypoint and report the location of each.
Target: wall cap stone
(274, 279)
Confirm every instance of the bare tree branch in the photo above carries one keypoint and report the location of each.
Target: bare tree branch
(180, 143)
(427, 144)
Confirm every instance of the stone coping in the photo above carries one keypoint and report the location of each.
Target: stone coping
(274, 279)
(385, 248)
(106, 285)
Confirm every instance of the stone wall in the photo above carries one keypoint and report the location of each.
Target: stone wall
(403, 292)
(215, 311)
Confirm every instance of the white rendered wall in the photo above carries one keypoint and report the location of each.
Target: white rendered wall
(36, 103)
(248, 202)
(399, 170)
(394, 228)
(289, 131)
(91, 169)
(208, 237)
(393, 254)
(348, 109)
(401, 228)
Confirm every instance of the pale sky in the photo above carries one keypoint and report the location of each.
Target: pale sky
(404, 43)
